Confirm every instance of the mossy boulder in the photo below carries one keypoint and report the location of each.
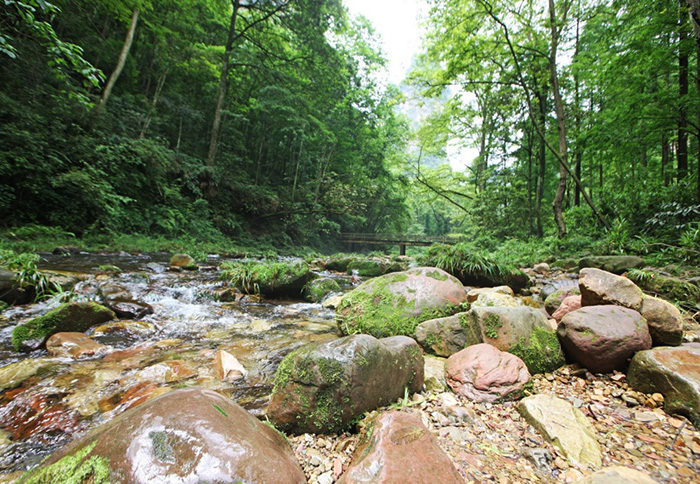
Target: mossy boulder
(183, 261)
(273, 279)
(10, 290)
(394, 304)
(366, 267)
(318, 289)
(522, 331)
(617, 264)
(442, 336)
(322, 387)
(339, 263)
(70, 317)
(675, 373)
(190, 435)
(665, 286)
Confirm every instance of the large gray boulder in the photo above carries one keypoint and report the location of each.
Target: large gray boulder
(565, 426)
(675, 373)
(603, 338)
(322, 387)
(188, 435)
(400, 449)
(442, 336)
(522, 331)
(601, 287)
(664, 320)
(394, 304)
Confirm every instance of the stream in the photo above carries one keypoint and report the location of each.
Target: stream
(173, 347)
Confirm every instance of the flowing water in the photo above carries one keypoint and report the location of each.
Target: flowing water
(173, 347)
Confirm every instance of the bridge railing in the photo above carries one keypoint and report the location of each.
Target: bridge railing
(399, 238)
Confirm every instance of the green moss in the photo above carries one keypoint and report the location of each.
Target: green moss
(72, 469)
(266, 277)
(3, 306)
(366, 268)
(472, 329)
(542, 353)
(162, 446)
(439, 276)
(109, 268)
(492, 325)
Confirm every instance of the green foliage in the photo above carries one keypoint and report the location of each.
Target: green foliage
(466, 262)
(28, 275)
(72, 469)
(266, 277)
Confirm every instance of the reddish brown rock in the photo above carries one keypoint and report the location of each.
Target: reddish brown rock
(483, 373)
(675, 373)
(570, 303)
(37, 417)
(603, 338)
(130, 309)
(664, 320)
(188, 435)
(601, 287)
(73, 345)
(401, 449)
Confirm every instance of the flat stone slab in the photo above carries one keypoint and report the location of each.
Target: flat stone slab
(601, 287)
(675, 373)
(617, 475)
(565, 426)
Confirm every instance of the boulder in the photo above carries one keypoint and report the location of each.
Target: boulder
(675, 373)
(564, 426)
(273, 279)
(70, 317)
(434, 373)
(183, 261)
(317, 290)
(664, 320)
(189, 435)
(113, 291)
(366, 267)
(64, 279)
(321, 387)
(483, 373)
(541, 268)
(474, 294)
(603, 338)
(601, 287)
(400, 449)
(522, 331)
(570, 303)
(73, 345)
(497, 299)
(10, 290)
(617, 475)
(617, 264)
(442, 336)
(394, 304)
(667, 286)
(130, 309)
(554, 300)
(558, 285)
(339, 263)
(128, 327)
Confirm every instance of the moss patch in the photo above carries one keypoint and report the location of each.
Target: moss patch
(492, 325)
(366, 268)
(267, 277)
(542, 353)
(72, 469)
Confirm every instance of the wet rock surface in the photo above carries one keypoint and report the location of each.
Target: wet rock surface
(73, 345)
(600, 287)
(664, 320)
(442, 336)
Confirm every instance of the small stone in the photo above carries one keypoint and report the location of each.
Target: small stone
(227, 367)
(325, 478)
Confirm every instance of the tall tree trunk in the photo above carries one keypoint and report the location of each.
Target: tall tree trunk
(120, 62)
(682, 151)
(154, 102)
(223, 85)
(541, 160)
(665, 159)
(694, 12)
(577, 115)
(561, 121)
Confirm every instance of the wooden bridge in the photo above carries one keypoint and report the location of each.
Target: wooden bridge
(401, 240)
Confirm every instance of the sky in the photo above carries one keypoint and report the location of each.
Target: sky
(397, 23)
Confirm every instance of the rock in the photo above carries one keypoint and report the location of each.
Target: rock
(601, 287)
(541, 268)
(483, 373)
(322, 387)
(12, 375)
(394, 304)
(442, 336)
(73, 345)
(332, 302)
(558, 285)
(474, 294)
(339, 263)
(183, 261)
(497, 299)
(39, 418)
(522, 331)
(569, 304)
(664, 320)
(131, 327)
(366, 268)
(66, 250)
(666, 286)
(273, 279)
(66, 280)
(190, 435)
(318, 289)
(112, 291)
(10, 291)
(603, 338)
(227, 367)
(617, 264)
(130, 309)
(617, 475)
(70, 317)
(554, 300)
(400, 449)
(564, 426)
(675, 373)
(434, 373)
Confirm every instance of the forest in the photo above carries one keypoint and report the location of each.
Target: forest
(263, 123)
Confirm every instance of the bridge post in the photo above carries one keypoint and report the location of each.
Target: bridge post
(402, 249)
